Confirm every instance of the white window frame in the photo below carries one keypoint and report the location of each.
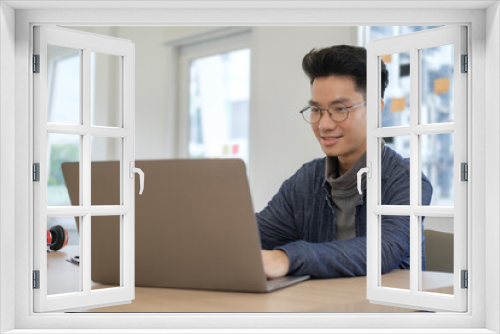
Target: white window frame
(86, 43)
(484, 100)
(414, 43)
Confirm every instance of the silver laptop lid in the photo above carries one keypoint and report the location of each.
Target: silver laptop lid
(195, 226)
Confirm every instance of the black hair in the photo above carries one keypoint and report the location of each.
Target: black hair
(341, 60)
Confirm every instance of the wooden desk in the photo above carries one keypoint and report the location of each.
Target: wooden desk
(316, 295)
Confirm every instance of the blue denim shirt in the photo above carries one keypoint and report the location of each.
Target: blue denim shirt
(300, 220)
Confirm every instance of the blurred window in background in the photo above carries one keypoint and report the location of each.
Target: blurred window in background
(215, 98)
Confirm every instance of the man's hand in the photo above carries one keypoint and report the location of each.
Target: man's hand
(276, 263)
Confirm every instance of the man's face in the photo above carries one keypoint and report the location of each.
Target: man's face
(345, 140)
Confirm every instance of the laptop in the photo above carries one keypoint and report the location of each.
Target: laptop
(195, 226)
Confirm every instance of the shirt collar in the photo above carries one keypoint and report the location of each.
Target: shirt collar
(332, 175)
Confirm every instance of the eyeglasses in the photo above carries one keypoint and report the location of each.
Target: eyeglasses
(338, 112)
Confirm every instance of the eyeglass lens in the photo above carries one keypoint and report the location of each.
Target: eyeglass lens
(337, 112)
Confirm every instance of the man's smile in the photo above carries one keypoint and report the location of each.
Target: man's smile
(329, 139)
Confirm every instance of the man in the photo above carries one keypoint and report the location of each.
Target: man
(316, 224)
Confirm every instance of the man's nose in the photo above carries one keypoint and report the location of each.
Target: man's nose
(326, 122)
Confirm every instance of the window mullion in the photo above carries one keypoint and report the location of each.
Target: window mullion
(86, 170)
(425, 129)
(127, 237)
(394, 210)
(422, 210)
(373, 189)
(431, 129)
(414, 170)
(85, 231)
(67, 129)
(96, 210)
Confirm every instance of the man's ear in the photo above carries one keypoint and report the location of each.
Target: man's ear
(382, 103)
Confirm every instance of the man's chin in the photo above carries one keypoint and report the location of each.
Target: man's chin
(331, 151)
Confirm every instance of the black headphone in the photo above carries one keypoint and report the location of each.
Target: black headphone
(57, 237)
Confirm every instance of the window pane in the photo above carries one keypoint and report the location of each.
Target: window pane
(437, 153)
(61, 149)
(105, 258)
(219, 92)
(397, 94)
(106, 157)
(437, 85)
(401, 145)
(439, 242)
(106, 90)
(63, 269)
(63, 85)
(391, 244)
